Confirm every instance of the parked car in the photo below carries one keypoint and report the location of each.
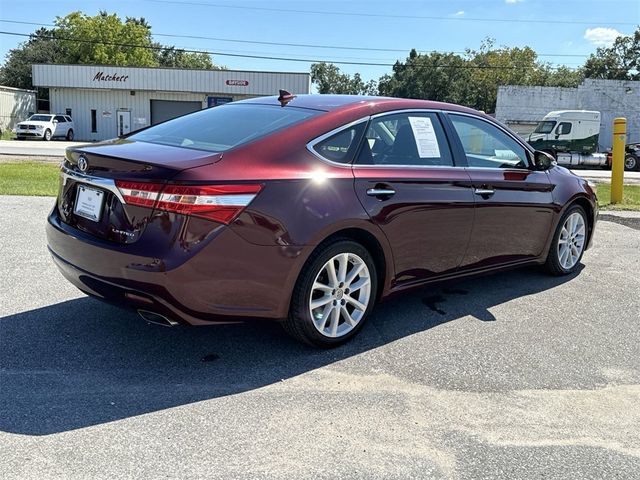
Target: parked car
(46, 127)
(309, 210)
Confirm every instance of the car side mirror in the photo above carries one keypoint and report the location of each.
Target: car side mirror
(55, 121)
(542, 160)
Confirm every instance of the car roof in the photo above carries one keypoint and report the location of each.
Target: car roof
(329, 103)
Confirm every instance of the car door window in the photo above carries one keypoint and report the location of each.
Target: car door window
(485, 145)
(341, 146)
(59, 118)
(409, 139)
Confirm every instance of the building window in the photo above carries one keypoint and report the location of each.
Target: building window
(68, 112)
(94, 127)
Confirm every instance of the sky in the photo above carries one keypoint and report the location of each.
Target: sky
(372, 31)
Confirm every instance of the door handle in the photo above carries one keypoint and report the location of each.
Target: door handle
(381, 192)
(484, 192)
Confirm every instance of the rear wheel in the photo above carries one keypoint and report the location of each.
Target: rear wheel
(70, 135)
(47, 135)
(333, 296)
(569, 242)
(631, 162)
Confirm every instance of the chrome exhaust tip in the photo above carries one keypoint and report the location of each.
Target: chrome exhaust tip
(156, 318)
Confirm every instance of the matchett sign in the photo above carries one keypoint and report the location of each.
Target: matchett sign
(102, 77)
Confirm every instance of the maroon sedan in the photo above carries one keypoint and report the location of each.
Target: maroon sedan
(309, 210)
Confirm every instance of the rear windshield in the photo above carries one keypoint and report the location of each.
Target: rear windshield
(40, 118)
(222, 128)
(545, 126)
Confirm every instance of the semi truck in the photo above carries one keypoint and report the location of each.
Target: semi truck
(572, 138)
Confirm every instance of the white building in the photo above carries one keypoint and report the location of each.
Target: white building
(107, 101)
(16, 105)
(521, 108)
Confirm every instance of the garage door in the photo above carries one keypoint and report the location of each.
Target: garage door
(162, 110)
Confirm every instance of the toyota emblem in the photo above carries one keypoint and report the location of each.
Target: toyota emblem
(83, 164)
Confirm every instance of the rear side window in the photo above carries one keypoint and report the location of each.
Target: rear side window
(407, 139)
(341, 147)
(222, 128)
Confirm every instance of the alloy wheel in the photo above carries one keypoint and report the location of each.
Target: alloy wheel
(340, 295)
(571, 240)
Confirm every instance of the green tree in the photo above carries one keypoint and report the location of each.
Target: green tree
(472, 79)
(178, 58)
(40, 48)
(492, 67)
(328, 79)
(105, 39)
(621, 61)
(434, 76)
(561, 76)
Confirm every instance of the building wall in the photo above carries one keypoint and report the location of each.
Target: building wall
(107, 103)
(225, 82)
(612, 98)
(15, 106)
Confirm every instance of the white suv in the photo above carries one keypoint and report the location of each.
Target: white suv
(45, 126)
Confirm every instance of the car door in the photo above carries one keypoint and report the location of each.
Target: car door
(60, 126)
(406, 180)
(514, 202)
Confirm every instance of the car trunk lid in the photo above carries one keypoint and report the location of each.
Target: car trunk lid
(89, 199)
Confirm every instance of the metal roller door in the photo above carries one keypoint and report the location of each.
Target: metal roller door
(162, 110)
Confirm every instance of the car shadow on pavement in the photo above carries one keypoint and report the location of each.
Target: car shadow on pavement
(81, 362)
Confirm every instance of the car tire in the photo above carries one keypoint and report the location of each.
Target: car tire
(631, 162)
(569, 242)
(341, 310)
(70, 135)
(47, 135)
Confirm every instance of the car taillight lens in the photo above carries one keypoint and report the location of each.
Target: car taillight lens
(221, 203)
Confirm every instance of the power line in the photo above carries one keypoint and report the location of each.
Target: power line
(262, 57)
(384, 15)
(281, 44)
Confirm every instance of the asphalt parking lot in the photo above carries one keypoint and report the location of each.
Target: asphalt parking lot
(516, 375)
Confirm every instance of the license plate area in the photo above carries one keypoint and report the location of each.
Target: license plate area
(89, 202)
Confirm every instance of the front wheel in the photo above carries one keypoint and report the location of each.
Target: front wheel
(631, 162)
(333, 296)
(47, 135)
(569, 242)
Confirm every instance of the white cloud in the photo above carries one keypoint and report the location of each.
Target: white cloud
(459, 14)
(514, 1)
(601, 36)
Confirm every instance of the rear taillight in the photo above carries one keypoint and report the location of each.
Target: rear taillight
(221, 203)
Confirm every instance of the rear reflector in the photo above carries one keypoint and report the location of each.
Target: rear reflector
(221, 203)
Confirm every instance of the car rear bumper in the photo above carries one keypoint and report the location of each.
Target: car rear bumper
(225, 280)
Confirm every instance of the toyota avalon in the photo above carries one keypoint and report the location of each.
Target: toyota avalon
(308, 210)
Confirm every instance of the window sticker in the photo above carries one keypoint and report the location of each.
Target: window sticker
(425, 136)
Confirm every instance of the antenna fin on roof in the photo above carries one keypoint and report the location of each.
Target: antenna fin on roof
(285, 97)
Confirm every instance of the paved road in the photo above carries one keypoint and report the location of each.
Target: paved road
(34, 148)
(514, 376)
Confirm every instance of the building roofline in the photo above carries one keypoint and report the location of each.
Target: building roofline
(166, 68)
(13, 89)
